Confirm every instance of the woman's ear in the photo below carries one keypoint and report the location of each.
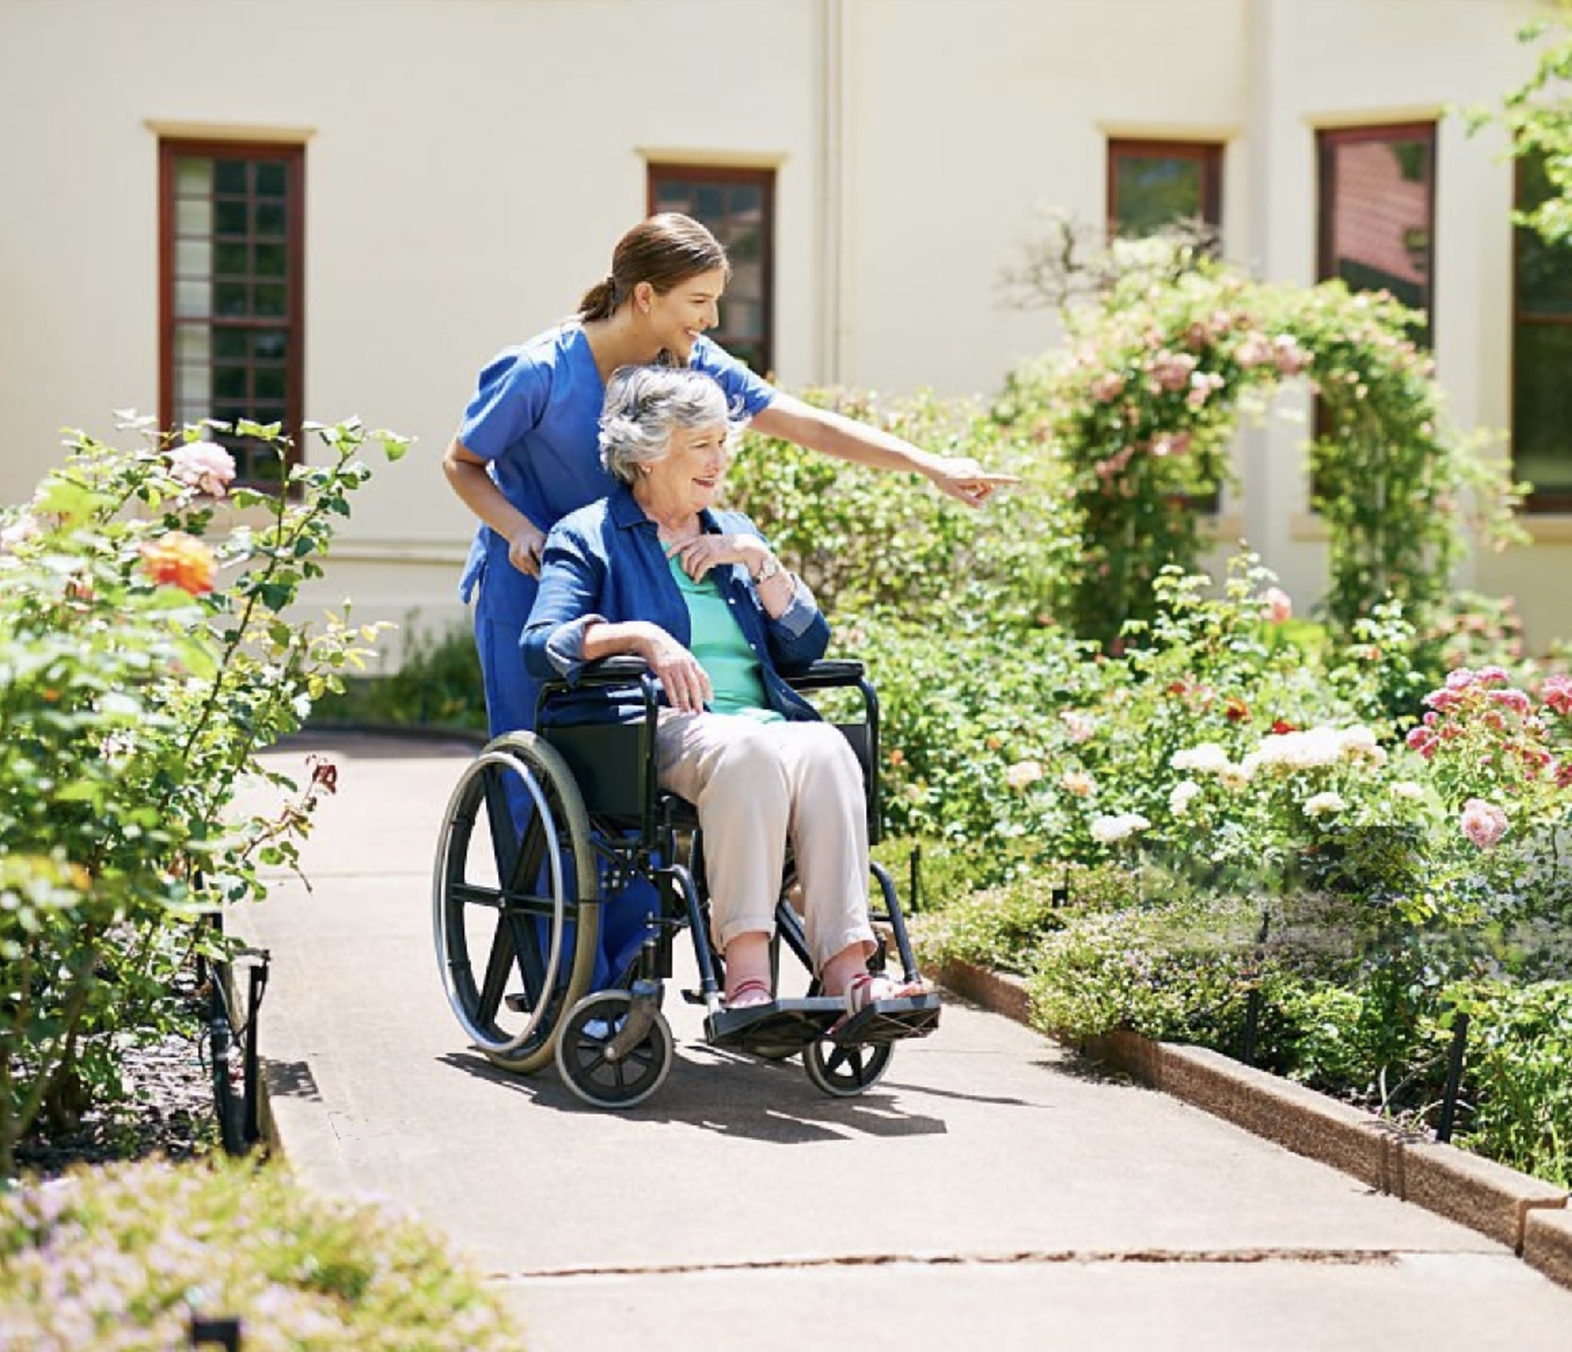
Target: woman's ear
(643, 297)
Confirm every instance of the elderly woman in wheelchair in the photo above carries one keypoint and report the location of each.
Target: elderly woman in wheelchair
(661, 619)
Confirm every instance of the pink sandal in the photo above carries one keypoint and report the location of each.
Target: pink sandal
(750, 994)
(868, 988)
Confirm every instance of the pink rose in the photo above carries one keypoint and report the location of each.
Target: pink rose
(1277, 606)
(1107, 387)
(1557, 694)
(1172, 370)
(203, 465)
(1483, 823)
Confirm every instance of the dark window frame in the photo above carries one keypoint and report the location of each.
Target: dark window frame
(1208, 154)
(292, 155)
(764, 180)
(1558, 500)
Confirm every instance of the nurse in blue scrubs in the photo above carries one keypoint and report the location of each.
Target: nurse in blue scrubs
(527, 451)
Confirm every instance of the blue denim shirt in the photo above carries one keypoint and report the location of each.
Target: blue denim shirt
(605, 563)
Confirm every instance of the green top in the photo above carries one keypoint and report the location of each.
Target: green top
(722, 649)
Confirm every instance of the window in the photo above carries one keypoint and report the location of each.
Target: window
(1377, 211)
(1152, 184)
(1541, 354)
(738, 205)
(230, 291)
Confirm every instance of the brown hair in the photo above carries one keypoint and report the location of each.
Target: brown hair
(664, 251)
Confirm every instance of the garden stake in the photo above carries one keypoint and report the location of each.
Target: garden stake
(224, 1332)
(1454, 1079)
(257, 983)
(916, 872)
(1253, 1001)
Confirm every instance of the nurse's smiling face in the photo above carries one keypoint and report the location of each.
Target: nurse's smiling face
(677, 317)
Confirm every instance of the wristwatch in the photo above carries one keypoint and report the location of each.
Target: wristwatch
(767, 569)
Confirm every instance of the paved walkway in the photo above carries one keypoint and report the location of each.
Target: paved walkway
(991, 1192)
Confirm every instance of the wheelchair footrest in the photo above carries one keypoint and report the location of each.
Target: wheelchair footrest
(891, 1020)
(780, 1027)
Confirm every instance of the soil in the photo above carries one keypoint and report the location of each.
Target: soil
(168, 1111)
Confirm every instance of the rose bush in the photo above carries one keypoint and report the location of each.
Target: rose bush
(1144, 399)
(146, 656)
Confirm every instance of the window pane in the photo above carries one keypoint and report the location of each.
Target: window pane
(229, 178)
(194, 216)
(267, 384)
(193, 300)
(192, 345)
(269, 344)
(192, 384)
(231, 260)
(271, 180)
(193, 176)
(268, 220)
(232, 299)
(271, 301)
(1152, 192)
(1376, 221)
(230, 343)
(194, 260)
(229, 382)
(229, 218)
(1542, 406)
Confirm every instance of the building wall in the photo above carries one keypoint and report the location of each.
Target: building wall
(470, 164)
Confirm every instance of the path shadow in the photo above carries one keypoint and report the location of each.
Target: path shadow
(731, 1095)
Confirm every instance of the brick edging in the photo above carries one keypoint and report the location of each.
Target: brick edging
(1526, 1214)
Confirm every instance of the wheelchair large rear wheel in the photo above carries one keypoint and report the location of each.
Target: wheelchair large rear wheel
(515, 914)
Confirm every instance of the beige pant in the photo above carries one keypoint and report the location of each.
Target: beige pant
(758, 786)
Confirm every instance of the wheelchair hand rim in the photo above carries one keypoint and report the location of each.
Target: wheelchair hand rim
(558, 921)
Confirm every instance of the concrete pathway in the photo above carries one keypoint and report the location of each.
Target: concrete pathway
(992, 1192)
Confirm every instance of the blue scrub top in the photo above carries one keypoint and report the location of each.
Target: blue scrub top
(535, 418)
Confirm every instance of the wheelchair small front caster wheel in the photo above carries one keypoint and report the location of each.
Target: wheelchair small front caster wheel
(593, 1061)
(845, 1071)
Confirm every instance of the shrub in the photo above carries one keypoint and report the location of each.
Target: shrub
(137, 683)
(1515, 1079)
(437, 685)
(999, 927)
(868, 541)
(119, 1259)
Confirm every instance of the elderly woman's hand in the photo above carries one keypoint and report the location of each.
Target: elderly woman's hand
(701, 553)
(686, 685)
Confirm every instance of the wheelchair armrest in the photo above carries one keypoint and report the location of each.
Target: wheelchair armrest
(611, 671)
(827, 673)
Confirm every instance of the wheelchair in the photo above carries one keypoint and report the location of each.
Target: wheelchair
(555, 940)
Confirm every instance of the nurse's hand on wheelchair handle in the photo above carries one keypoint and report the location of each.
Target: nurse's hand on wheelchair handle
(525, 548)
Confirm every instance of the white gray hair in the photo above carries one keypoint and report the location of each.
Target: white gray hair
(645, 405)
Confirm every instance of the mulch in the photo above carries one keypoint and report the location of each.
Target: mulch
(168, 1112)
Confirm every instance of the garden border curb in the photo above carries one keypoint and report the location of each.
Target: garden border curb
(1526, 1214)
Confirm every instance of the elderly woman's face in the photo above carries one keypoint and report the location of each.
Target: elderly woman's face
(690, 472)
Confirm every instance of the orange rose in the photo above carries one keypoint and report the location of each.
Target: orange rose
(180, 560)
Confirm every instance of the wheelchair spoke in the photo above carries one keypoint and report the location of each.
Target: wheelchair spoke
(498, 964)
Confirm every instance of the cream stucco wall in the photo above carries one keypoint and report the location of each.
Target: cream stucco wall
(471, 162)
